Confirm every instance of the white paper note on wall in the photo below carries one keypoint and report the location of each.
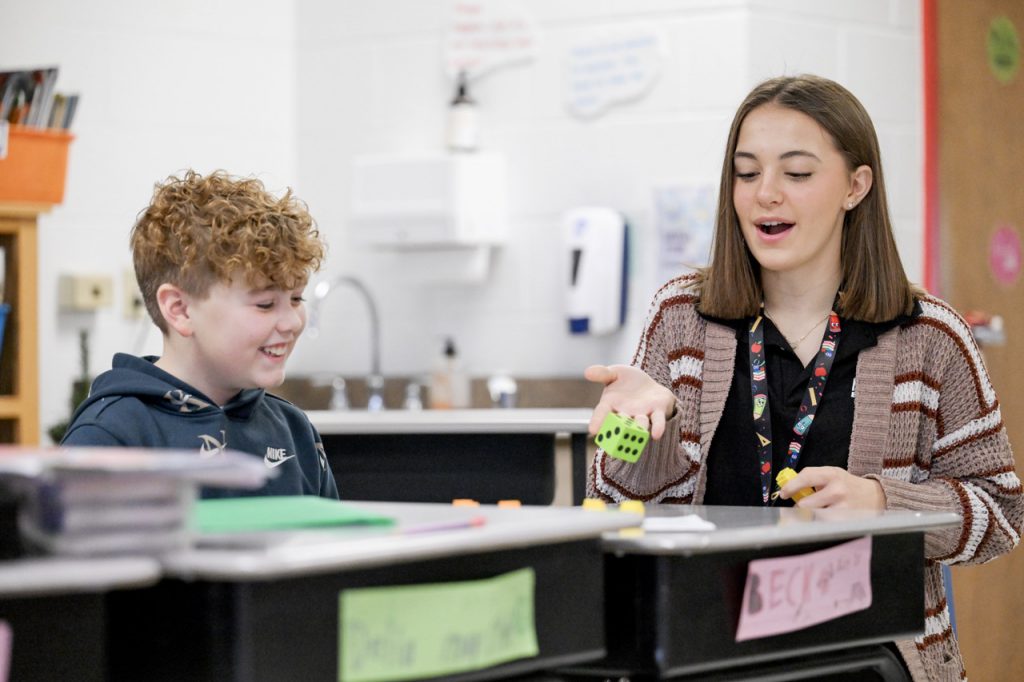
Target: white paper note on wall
(617, 65)
(684, 218)
(484, 35)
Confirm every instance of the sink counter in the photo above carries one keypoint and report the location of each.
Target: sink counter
(525, 420)
(439, 455)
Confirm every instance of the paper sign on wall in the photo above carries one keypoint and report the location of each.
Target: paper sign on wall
(413, 632)
(485, 35)
(684, 218)
(795, 592)
(617, 66)
(1004, 255)
(1003, 48)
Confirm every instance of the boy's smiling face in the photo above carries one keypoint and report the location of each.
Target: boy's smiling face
(241, 337)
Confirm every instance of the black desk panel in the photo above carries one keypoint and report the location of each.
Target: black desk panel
(58, 637)
(287, 629)
(670, 616)
(440, 467)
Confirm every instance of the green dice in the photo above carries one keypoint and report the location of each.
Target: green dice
(621, 437)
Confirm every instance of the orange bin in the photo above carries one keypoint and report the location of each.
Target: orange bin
(36, 165)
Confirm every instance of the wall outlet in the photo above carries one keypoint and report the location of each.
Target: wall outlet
(134, 308)
(85, 292)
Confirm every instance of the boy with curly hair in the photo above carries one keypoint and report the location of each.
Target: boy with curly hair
(222, 265)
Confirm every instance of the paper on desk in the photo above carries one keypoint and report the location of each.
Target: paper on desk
(794, 592)
(284, 512)
(677, 524)
(6, 640)
(229, 469)
(414, 632)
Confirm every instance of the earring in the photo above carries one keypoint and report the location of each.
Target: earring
(849, 206)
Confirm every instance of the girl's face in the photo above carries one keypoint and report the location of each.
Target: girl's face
(791, 191)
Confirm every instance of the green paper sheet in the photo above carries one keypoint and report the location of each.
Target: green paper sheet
(420, 631)
(278, 513)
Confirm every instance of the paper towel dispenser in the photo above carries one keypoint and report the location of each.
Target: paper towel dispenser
(596, 239)
(429, 200)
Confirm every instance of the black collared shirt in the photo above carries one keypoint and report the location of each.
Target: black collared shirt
(733, 466)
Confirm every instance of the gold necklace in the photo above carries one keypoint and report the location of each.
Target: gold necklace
(794, 344)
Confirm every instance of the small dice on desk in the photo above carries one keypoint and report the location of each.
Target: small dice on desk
(621, 437)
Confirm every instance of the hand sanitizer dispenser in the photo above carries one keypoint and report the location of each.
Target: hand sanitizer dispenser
(596, 241)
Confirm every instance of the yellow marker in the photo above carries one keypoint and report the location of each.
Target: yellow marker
(464, 502)
(594, 504)
(636, 532)
(632, 506)
(784, 477)
(509, 504)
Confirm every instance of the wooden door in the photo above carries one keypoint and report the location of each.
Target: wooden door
(979, 193)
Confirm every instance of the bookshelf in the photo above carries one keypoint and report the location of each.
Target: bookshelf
(19, 360)
(34, 144)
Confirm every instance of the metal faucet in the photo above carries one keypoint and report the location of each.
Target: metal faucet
(375, 381)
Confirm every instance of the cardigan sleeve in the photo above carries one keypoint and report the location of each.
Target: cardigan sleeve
(964, 464)
(666, 471)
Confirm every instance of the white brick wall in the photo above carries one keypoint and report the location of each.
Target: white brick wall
(718, 50)
(165, 86)
(291, 90)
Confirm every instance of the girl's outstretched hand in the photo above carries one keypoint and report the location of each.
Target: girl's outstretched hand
(630, 392)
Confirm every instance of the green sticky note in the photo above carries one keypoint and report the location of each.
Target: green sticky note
(419, 631)
(1003, 48)
(278, 513)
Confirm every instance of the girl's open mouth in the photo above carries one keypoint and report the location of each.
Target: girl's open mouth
(774, 227)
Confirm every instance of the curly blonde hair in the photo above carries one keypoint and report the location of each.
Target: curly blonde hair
(198, 231)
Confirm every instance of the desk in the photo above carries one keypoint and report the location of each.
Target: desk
(440, 455)
(56, 611)
(673, 599)
(267, 609)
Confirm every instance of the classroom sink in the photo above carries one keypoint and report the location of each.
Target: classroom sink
(314, 392)
(484, 454)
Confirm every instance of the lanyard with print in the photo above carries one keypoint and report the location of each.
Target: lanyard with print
(808, 406)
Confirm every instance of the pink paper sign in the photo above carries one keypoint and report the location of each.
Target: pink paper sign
(6, 646)
(794, 592)
(1004, 255)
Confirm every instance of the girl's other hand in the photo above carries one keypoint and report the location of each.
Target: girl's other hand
(835, 488)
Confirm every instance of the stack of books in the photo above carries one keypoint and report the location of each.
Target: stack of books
(107, 501)
(104, 514)
(28, 97)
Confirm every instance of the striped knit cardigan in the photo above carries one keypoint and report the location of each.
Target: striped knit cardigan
(926, 426)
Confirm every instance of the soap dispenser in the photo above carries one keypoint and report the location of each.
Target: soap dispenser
(463, 119)
(449, 384)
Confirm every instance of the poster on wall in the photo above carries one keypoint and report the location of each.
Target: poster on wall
(684, 222)
(1004, 255)
(612, 67)
(485, 35)
(1003, 49)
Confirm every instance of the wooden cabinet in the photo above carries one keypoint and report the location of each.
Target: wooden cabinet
(19, 358)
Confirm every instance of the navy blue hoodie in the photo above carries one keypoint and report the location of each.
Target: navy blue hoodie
(137, 404)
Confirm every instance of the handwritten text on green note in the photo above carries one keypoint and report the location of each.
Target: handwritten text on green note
(418, 631)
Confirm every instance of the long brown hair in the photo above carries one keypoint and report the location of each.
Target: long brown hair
(874, 284)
